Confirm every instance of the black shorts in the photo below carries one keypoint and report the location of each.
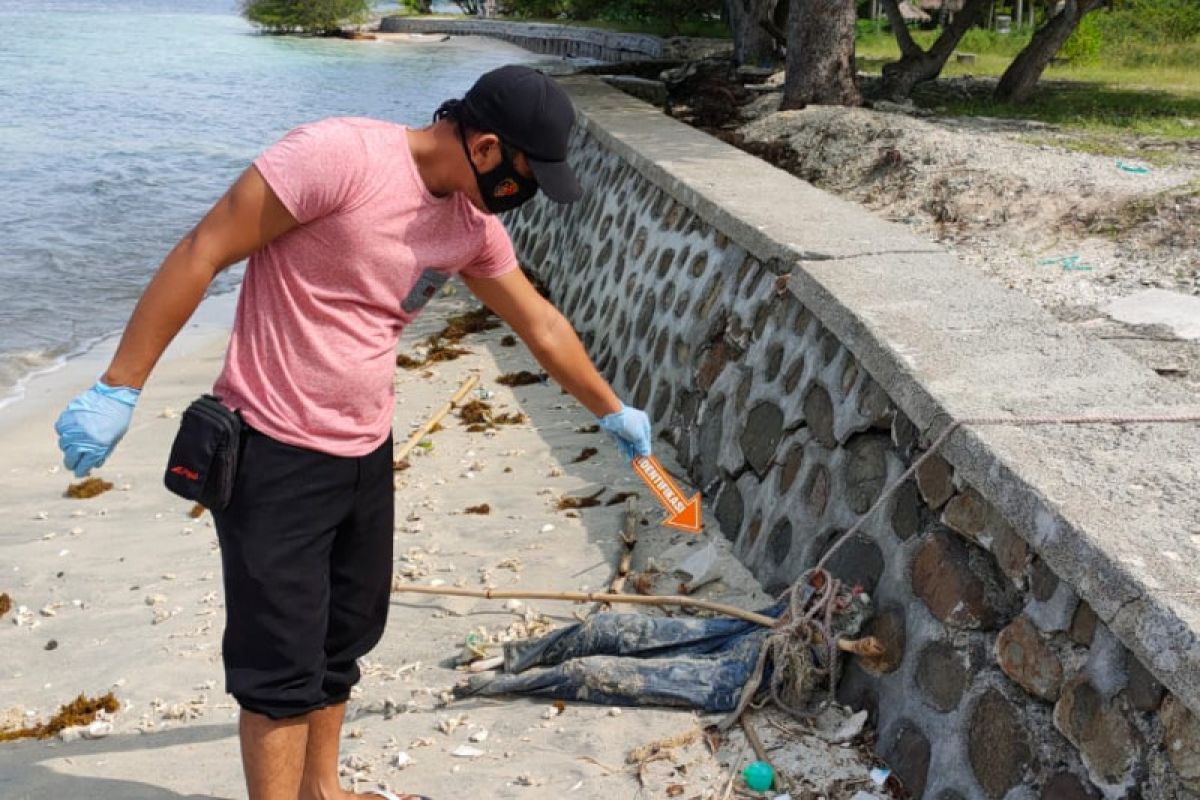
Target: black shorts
(306, 549)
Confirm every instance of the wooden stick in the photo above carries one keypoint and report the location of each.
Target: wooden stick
(438, 416)
(593, 597)
(867, 646)
(629, 537)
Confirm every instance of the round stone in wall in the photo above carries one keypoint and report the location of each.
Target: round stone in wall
(961, 584)
(942, 675)
(699, 264)
(633, 371)
(997, 745)
(729, 511)
(857, 561)
(908, 754)
(774, 362)
(641, 395)
(662, 401)
(1029, 660)
(818, 413)
(1065, 786)
(795, 372)
(906, 510)
(779, 545)
(790, 467)
(866, 470)
(761, 434)
(710, 438)
(645, 316)
(888, 627)
(816, 490)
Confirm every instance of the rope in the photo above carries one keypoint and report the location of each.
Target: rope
(806, 625)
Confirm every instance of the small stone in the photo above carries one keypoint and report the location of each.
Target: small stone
(1065, 786)
(1083, 624)
(1144, 691)
(466, 751)
(51, 645)
(98, 729)
(935, 479)
(547, 528)
(479, 736)
(402, 760)
(960, 583)
(1100, 731)
(1181, 739)
(966, 513)
(1029, 661)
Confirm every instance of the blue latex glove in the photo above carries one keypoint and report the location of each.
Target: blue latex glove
(93, 424)
(630, 428)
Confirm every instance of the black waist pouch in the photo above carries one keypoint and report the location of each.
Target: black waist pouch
(203, 460)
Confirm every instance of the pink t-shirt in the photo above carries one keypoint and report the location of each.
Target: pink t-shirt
(312, 358)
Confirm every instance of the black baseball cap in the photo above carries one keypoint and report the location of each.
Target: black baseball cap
(532, 113)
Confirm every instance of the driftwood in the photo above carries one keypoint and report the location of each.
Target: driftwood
(437, 417)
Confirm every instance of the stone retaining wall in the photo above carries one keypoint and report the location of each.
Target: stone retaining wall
(558, 40)
(1036, 586)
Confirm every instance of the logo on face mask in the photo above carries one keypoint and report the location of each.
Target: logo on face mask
(507, 188)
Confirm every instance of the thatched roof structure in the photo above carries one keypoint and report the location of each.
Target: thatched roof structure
(934, 6)
(911, 13)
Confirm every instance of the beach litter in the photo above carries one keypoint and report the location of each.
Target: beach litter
(82, 711)
(89, 487)
(522, 378)
(5, 604)
(584, 455)
(1068, 263)
(1133, 169)
(589, 501)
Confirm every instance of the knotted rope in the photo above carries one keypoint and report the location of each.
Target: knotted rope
(802, 647)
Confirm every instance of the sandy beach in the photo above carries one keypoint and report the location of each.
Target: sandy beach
(122, 592)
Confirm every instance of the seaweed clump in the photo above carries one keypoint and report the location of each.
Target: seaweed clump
(442, 352)
(508, 340)
(476, 412)
(522, 378)
(460, 326)
(478, 416)
(5, 604)
(584, 455)
(408, 362)
(590, 501)
(82, 710)
(89, 487)
(482, 508)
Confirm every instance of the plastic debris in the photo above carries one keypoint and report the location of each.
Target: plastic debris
(1134, 169)
(759, 775)
(1071, 263)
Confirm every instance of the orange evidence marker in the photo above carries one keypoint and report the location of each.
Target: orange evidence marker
(683, 514)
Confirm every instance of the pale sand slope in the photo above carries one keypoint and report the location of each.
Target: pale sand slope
(107, 567)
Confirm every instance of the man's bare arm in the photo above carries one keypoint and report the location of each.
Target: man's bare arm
(549, 337)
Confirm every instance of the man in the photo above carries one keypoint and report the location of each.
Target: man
(350, 226)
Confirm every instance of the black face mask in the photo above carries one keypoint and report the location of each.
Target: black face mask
(503, 188)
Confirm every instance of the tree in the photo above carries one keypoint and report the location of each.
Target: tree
(1019, 80)
(820, 54)
(917, 65)
(305, 16)
(472, 8)
(753, 43)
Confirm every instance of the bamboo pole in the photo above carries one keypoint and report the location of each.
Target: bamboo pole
(437, 417)
(593, 597)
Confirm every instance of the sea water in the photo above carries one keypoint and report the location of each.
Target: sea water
(122, 121)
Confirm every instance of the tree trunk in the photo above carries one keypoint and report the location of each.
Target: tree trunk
(1021, 77)
(753, 45)
(917, 65)
(820, 54)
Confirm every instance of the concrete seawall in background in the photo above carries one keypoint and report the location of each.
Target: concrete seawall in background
(1037, 586)
(558, 40)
